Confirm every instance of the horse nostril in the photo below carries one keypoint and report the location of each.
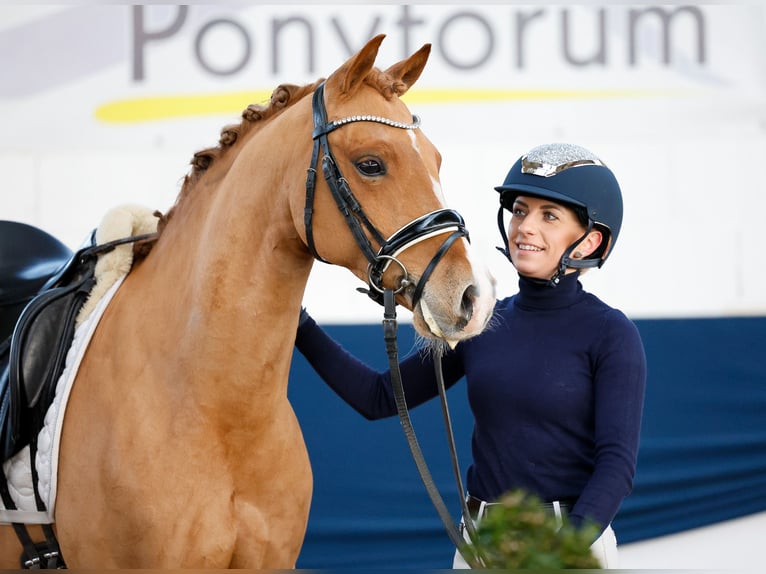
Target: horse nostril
(466, 305)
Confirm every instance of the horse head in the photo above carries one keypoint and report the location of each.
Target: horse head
(374, 201)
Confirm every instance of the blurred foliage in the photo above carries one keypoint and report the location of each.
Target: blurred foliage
(520, 533)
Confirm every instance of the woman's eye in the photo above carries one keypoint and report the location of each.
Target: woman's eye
(517, 212)
(370, 167)
(550, 216)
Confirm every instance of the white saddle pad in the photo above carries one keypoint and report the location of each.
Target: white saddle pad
(17, 469)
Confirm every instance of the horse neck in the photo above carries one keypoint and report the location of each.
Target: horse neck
(234, 271)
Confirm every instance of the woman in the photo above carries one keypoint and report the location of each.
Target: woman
(556, 385)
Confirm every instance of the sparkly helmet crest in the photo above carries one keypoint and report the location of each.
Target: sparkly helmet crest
(574, 176)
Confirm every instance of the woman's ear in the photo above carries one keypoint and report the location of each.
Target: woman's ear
(590, 243)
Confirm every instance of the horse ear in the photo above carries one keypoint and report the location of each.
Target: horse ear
(408, 71)
(355, 70)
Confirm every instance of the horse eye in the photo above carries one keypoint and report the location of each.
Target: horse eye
(370, 166)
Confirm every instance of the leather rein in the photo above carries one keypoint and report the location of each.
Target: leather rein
(437, 222)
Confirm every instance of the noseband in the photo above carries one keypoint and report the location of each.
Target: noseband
(429, 225)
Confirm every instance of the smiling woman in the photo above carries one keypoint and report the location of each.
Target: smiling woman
(561, 193)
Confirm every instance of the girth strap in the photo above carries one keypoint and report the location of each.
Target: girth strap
(35, 555)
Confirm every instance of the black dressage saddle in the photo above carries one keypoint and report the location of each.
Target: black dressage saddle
(43, 285)
(29, 257)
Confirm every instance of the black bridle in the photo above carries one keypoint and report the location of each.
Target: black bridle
(429, 225)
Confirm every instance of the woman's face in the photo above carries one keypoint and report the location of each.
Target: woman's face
(539, 232)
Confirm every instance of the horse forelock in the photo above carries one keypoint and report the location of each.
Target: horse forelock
(253, 117)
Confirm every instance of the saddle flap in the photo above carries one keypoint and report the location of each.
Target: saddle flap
(37, 357)
(42, 337)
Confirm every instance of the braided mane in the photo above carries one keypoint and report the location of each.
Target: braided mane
(253, 117)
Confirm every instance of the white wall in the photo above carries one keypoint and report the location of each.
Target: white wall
(685, 143)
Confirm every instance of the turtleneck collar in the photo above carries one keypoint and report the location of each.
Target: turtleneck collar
(538, 294)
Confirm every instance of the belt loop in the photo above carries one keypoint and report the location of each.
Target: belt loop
(482, 508)
(557, 512)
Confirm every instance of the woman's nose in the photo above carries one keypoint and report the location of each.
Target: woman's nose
(525, 225)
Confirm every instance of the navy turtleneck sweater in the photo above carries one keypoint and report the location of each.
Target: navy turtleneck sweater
(556, 387)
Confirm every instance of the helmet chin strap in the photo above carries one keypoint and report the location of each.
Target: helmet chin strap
(567, 261)
(506, 249)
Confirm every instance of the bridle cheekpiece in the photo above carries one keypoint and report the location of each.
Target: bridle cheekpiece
(428, 225)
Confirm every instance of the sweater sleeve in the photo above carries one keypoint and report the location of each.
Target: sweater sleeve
(620, 382)
(365, 389)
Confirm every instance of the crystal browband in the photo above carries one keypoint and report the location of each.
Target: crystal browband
(394, 124)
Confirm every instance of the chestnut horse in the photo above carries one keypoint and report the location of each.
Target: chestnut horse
(179, 446)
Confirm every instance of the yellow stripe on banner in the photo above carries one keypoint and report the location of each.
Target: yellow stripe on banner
(165, 107)
(429, 96)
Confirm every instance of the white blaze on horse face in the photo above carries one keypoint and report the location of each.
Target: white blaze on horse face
(436, 185)
(414, 140)
(438, 190)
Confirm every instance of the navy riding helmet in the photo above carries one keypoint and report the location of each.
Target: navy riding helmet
(574, 176)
